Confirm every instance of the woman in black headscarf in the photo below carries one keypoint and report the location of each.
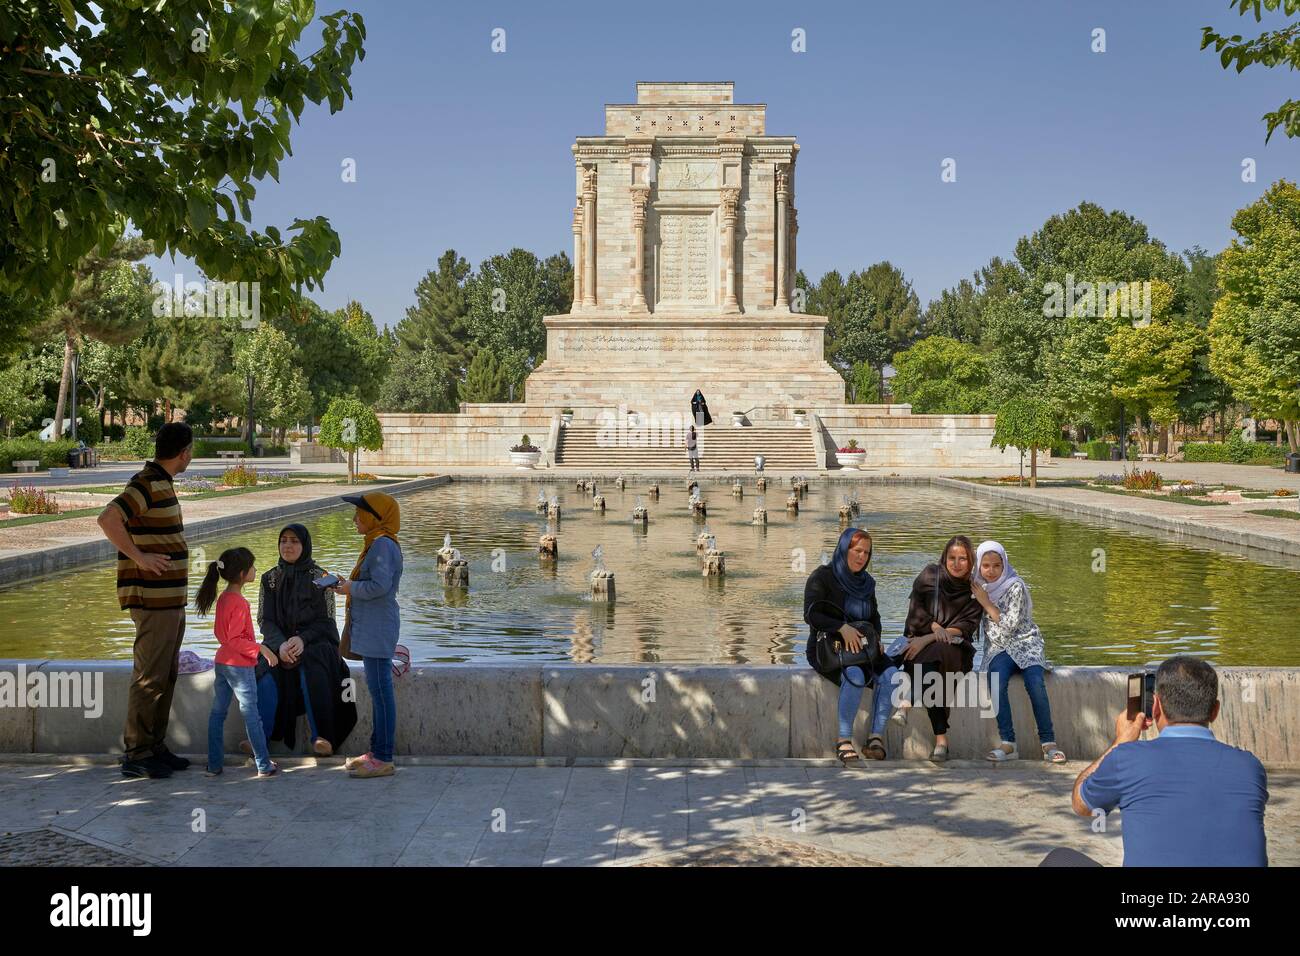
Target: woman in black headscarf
(942, 615)
(840, 597)
(296, 619)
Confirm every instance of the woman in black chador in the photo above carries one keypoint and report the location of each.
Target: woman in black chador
(700, 410)
(296, 619)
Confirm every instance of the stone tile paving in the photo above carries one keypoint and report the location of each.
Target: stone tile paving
(701, 814)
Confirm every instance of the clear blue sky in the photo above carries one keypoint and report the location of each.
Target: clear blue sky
(457, 146)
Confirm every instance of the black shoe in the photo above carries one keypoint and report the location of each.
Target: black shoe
(150, 767)
(169, 759)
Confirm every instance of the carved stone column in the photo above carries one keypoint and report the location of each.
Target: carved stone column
(730, 204)
(782, 201)
(589, 237)
(793, 269)
(640, 196)
(577, 259)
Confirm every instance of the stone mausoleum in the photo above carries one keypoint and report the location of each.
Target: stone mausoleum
(684, 229)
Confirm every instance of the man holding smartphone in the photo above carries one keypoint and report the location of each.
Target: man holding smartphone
(1187, 798)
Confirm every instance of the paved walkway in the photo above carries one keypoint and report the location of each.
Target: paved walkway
(504, 813)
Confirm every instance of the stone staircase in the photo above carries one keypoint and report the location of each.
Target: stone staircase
(722, 447)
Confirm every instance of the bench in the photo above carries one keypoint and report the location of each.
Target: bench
(26, 465)
(234, 453)
(1147, 457)
(1079, 454)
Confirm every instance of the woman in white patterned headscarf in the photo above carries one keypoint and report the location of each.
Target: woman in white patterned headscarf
(1013, 644)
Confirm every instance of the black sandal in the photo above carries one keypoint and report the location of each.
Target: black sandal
(846, 753)
(875, 748)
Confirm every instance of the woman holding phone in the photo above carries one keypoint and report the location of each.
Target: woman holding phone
(374, 622)
(296, 618)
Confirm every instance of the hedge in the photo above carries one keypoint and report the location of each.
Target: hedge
(50, 454)
(1235, 450)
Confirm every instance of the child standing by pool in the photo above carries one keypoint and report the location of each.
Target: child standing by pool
(236, 658)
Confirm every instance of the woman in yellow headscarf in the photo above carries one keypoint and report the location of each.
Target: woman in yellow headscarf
(374, 621)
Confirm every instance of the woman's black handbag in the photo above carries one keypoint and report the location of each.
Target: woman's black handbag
(830, 654)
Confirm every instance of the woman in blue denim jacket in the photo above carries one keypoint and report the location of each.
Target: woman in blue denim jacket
(374, 622)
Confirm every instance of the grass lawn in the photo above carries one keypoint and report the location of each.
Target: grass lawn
(1275, 513)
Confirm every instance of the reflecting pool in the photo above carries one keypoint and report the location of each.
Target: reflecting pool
(1102, 594)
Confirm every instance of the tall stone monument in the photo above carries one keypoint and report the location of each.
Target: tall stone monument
(684, 231)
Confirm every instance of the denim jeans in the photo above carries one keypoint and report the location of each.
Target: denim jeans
(379, 681)
(883, 705)
(268, 699)
(1004, 667)
(850, 699)
(239, 681)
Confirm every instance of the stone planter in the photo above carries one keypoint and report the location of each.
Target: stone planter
(800, 419)
(738, 419)
(851, 459)
(566, 417)
(525, 460)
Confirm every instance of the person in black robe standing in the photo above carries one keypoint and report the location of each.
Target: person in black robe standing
(700, 410)
(296, 619)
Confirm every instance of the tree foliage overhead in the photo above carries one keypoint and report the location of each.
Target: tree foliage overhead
(1272, 48)
(164, 114)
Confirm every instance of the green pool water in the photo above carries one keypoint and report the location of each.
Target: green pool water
(1155, 597)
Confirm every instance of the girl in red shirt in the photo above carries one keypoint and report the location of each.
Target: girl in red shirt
(236, 657)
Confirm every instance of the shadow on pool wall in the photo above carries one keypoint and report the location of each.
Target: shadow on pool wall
(574, 711)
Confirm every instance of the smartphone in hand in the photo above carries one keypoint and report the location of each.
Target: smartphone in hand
(328, 581)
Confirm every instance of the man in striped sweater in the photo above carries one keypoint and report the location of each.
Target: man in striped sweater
(144, 523)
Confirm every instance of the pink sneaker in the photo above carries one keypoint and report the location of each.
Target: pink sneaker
(354, 761)
(370, 767)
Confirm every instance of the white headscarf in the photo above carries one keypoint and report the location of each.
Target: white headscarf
(997, 589)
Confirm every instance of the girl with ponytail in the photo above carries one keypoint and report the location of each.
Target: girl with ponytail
(236, 658)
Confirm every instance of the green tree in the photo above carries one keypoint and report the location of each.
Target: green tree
(20, 398)
(897, 309)
(109, 301)
(1150, 362)
(121, 110)
(939, 375)
(507, 299)
(1273, 48)
(1029, 424)
(864, 385)
(181, 361)
(438, 320)
(1255, 332)
(485, 380)
(280, 392)
(350, 424)
(418, 382)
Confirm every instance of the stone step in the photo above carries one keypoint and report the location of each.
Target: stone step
(587, 446)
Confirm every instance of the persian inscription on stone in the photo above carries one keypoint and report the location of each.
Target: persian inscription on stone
(697, 342)
(684, 245)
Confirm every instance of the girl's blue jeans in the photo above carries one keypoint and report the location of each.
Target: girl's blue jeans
(239, 682)
(1003, 667)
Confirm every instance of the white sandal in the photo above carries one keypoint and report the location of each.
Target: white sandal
(999, 753)
(1053, 753)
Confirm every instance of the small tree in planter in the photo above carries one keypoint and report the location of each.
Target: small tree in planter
(525, 454)
(349, 424)
(1027, 423)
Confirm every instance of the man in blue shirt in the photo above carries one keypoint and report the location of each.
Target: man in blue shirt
(1187, 799)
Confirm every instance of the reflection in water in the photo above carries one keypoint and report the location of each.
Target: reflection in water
(1155, 597)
